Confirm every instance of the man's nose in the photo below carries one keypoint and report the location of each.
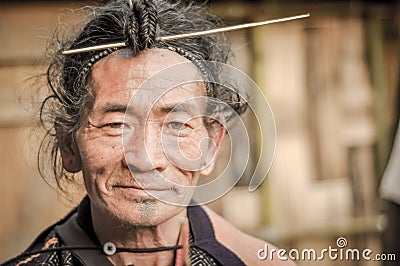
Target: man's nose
(143, 150)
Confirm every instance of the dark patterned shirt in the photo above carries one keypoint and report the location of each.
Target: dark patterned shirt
(204, 249)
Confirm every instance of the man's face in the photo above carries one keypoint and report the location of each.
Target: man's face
(128, 146)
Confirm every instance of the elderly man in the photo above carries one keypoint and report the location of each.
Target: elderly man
(126, 117)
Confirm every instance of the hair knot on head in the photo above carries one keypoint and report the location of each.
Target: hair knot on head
(141, 27)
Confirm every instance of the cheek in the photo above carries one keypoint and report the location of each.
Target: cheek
(189, 153)
(98, 153)
(197, 145)
(99, 157)
(191, 149)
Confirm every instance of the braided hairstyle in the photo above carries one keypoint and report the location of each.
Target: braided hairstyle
(138, 23)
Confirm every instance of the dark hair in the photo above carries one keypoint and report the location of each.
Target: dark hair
(138, 24)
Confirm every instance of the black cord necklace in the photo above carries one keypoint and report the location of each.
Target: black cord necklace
(108, 249)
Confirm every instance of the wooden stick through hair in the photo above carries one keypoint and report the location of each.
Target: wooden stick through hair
(188, 35)
(231, 28)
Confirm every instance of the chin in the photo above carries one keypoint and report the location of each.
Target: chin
(143, 212)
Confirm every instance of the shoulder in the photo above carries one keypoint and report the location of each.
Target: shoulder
(246, 247)
(43, 243)
(31, 256)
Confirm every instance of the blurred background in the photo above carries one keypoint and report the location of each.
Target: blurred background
(332, 81)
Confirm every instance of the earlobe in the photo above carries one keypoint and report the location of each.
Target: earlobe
(217, 135)
(208, 169)
(71, 159)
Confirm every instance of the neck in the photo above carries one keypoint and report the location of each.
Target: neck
(110, 229)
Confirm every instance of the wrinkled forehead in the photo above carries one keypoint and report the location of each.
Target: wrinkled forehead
(152, 77)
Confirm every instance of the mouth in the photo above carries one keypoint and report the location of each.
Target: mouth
(135, 192)
(139, 187)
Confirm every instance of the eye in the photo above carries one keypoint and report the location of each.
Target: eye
(177, 128)
(115, 128)
(175, 125)
(115, 125)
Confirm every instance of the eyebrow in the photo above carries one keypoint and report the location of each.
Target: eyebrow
(165, 109)
(178, 107)
(113, 108)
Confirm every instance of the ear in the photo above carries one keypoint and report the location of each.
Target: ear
(71, 158)
(216, 132)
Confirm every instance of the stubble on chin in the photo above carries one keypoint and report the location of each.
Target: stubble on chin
(147, 209)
